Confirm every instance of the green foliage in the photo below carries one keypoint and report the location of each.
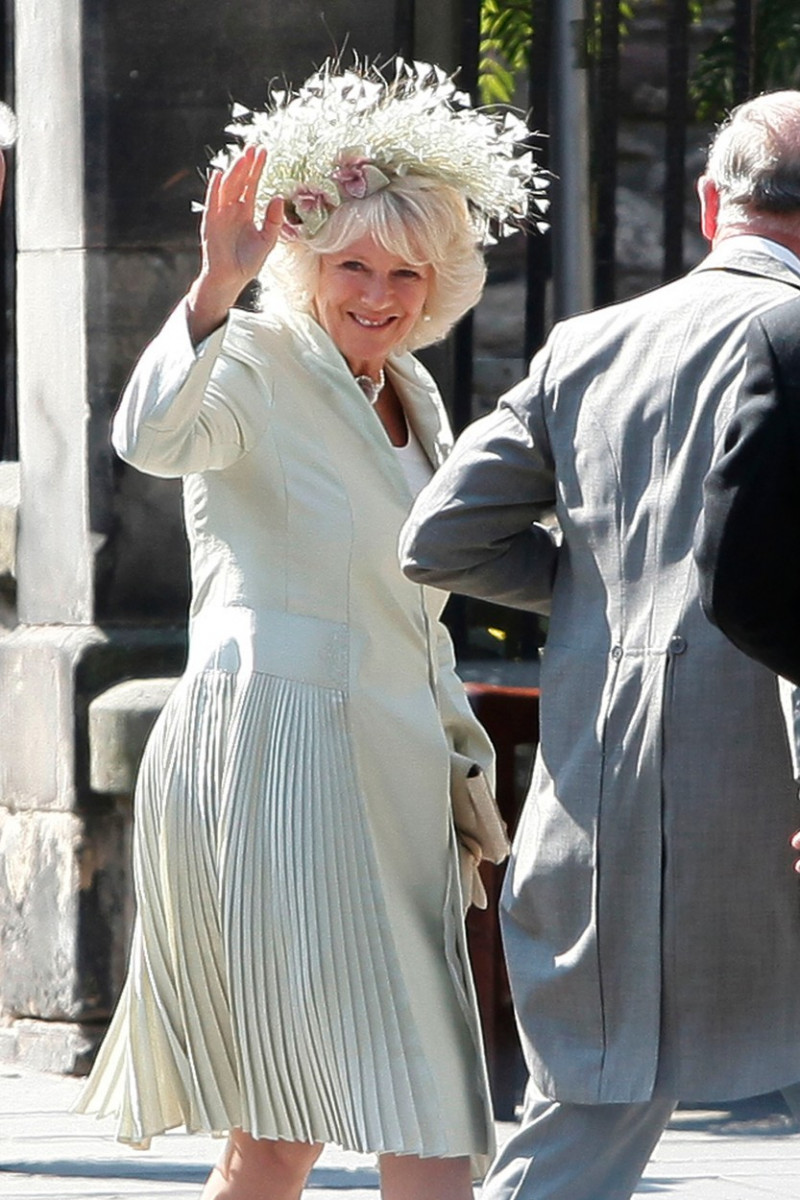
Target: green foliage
(625, 13)
(507, 29)
(776, 59)
(506, 32)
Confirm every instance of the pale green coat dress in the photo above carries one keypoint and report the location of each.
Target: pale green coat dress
(298, 966)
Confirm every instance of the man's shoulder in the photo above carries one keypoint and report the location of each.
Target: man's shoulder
(773, 335)
(782, 321)
(741, 281)
(630, 311)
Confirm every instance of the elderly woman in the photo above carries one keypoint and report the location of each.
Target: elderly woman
(299, 972)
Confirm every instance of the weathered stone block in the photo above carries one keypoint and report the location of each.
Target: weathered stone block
(50, 674)
(120, 720)
(37, 715)
(57, 1046)
(9, 510)
(65, 912)
(66, 897)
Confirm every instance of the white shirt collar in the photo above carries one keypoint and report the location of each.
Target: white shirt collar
(764, 245)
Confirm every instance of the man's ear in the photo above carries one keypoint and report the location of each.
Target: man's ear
(708, 193)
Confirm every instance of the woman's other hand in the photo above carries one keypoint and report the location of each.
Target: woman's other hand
(796, 846)
(234, 247)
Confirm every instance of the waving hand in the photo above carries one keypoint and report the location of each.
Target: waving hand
(233, 246)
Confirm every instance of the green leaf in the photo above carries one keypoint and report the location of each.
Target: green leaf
(776, 59)
(506, 33)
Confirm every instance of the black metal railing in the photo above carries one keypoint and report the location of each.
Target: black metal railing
(613, 39)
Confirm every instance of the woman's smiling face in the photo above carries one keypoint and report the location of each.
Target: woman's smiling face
(368, 300)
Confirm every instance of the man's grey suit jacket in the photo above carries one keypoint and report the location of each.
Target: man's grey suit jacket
(651, 915)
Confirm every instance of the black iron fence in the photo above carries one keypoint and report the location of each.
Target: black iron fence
(617, 45)
(634, 69)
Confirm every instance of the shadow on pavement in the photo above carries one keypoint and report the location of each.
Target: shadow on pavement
(330, 1178)
(758, 1116)
(657, 1187)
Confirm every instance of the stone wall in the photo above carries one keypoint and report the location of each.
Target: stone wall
(159, 82)
(117, 105)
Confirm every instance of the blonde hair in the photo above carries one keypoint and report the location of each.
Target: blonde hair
(421, 221)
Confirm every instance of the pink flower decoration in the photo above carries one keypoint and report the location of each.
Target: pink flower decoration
(357, 178)
(312, 206)
(351, 178)
(290, 230)
(309, 200)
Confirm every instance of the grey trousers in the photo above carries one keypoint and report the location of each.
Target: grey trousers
(576, 1151)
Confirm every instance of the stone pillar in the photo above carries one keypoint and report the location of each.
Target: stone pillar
(44, 837)
(54, 552)
(117, 107)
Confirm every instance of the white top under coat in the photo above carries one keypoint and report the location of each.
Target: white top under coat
(416, 465)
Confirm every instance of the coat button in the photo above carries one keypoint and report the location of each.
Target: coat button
(616, 653)
(677, 644)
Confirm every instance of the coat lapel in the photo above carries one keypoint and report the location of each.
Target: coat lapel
(423, 405)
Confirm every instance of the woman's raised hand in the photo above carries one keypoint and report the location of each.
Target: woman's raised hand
(234, 248)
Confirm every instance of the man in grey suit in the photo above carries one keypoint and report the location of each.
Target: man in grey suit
(651, 916)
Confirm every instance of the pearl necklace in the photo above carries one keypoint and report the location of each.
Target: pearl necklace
(371, 388)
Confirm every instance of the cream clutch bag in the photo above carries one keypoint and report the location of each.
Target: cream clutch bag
(480, 829)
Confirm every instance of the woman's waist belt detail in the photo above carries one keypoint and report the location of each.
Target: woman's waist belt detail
(289, 645)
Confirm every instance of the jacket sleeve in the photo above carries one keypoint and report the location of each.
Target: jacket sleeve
(479, 828)
(189, 409)
(476, 528)
(465, 735)
(747, 546)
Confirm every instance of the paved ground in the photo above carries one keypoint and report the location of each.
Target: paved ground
(750, 1151)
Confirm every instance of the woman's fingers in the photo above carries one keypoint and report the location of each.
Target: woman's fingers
(273, 218)
(213, 185)
(257, 162)
(211, 200)
(795, 843)
(233, 180)
(234, 244)
(240, 179)
(255, 165)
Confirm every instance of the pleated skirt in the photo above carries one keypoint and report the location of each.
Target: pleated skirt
(265, 989)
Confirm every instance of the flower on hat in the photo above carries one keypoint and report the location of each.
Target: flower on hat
(346, 134)
(313, 204)
(357, 178)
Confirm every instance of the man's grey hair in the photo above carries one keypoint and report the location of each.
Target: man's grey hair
(8, 126)
(755, 157)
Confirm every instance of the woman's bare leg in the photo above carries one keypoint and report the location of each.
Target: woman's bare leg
(259, 1169)
(406, 1177)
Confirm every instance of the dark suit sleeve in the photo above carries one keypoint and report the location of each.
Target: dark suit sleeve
(748, 545)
